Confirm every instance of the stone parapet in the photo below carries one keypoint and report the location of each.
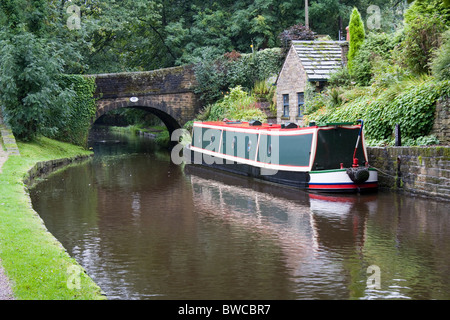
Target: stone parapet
(416, 170)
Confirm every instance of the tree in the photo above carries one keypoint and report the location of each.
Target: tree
(420, 8)
(357, 35)
(30, 66)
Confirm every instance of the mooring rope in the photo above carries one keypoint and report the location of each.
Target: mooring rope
(382, 172)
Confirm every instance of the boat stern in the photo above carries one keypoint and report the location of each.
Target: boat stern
(343, 180)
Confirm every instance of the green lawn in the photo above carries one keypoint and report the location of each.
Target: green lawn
(35, 262)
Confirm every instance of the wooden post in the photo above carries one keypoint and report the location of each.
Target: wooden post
(398, 136)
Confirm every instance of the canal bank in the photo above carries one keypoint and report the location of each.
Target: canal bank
(34, 264)
(423, 171)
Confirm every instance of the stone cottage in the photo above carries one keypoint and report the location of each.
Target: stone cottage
(306, 61)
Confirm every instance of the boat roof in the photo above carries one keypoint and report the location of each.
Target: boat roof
(256, 125)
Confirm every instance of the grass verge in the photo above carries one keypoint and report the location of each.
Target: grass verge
(35, 262)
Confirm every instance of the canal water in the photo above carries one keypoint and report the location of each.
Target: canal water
(144, 228)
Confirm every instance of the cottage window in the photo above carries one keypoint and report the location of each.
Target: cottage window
(285, 105)
(301, 103)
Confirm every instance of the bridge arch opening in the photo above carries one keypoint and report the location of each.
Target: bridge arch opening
(167, 119)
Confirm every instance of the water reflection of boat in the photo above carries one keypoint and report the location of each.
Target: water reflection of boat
(341, 220)
(316, 158)
(338, 205)
(307, 227)
(281, 217)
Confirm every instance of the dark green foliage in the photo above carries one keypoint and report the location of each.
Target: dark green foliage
(215, 75)
(134, 35)
(422, 37)
(421, 8)
(81, 109)
(237, 105)
(412, 106)
(30, 92)
(210, 73)
(357, 35)
(375, 46)
(35, 96)
(340, 78)
(123, 117)
(440, 64)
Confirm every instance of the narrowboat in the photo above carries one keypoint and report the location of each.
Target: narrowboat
(329, 157)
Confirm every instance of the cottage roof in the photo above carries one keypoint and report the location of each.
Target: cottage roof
(319, 58)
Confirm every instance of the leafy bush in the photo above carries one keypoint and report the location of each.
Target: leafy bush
(427, 141)
(421, 141)
(440, 64)
(81, 109)
(314, 101)
(210, 73)
(376, 47)
(411, 105)
(215, 75)
(327, 101)
(422, 37)
(388, 75)
(237, 105)
(422, 8)
(32, 97)
(340, 78)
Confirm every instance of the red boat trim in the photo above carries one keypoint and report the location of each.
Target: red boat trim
(321, 186)
(275, 131)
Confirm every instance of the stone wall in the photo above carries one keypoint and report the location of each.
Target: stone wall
(173, 109)
(168, 93)
(162, 81)
(417, 170)
(42, 169)
(441, 127)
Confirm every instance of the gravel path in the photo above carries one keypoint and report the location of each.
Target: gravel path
(3, 155)
(5, 288)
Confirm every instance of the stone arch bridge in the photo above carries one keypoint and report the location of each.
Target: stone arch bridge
(167, 93)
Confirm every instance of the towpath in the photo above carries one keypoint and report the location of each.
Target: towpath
(5, 287)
